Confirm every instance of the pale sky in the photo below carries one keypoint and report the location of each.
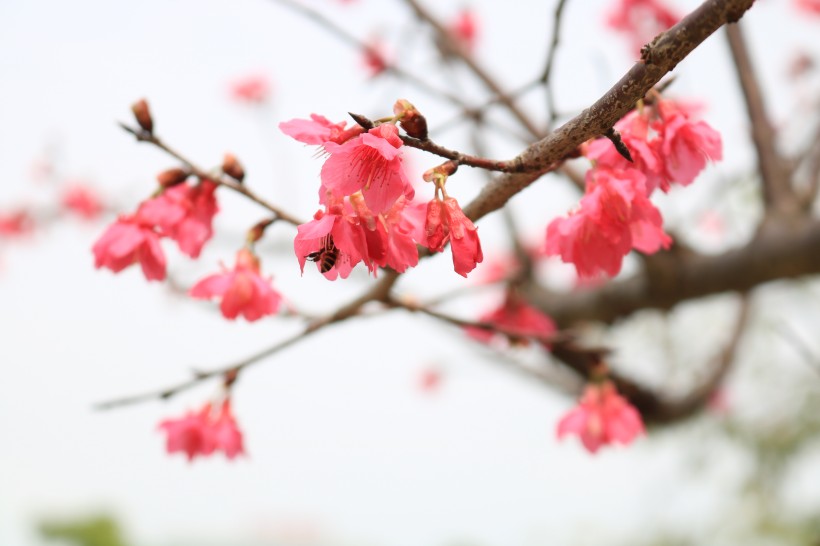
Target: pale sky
(340, 439)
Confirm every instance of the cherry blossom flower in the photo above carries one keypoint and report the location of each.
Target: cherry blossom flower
(514, 316)
(642, 20)
(226, 433)
(243, 290)
(464, 28)
(334, 239)
(685, 145)
(370, 163)
(318, 129)
(204, 432)
(634, 130)
(253, 89)
(127, 241)
(83, 201)
(602, 417)
(374, 57)
(185, 214)
(191, 434)
(615, 216)
(808, 6)
(16, 224)
(447, 223)
(430, 379)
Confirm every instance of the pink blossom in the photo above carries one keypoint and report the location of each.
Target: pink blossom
(318, 130)
(243, 290)
(127, 241)
(809, 6)
(615, 216)
(447, 223)
(335, 240)
(391, 237)
(255, 89)
(642, 20)
(83, 201)
(464, 28)
(15, 224)
(204, 432)
(185, 214)
(602, 417)
(430, 379)
(374, 57)
(191, 434)
(226, 433)
(685, 145)
(370, 163)
(515, 316)
(634, 130)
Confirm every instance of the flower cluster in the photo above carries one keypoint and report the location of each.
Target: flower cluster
(204, 432)
(243, 290)
(183, 213)
(641, 20)
(348, 232)
(615, 214)
(369, 215)
(602, 417)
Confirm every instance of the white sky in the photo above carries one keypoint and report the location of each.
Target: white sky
(339, 437)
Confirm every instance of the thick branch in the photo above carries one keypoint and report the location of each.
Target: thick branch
(781, 251)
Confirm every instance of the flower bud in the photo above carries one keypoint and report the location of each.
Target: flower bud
(172, 177)
(410, 119)
(232, 167)
(143, 115)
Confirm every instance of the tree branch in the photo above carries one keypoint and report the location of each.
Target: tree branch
(659, 58)
(777, 190)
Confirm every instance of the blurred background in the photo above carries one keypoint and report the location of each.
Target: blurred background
(396, 431)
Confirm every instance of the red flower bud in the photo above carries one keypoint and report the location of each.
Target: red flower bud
(232, 167)
(172, 177)
(143, 115)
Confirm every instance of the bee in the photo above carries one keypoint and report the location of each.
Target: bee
(327, 256)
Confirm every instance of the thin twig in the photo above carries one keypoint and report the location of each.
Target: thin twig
(451, 47)
(143, 136)
(378, 292)
(545, 78)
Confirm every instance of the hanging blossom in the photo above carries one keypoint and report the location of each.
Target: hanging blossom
(375, 57)
(184, 213)
(243, 290)
(370, 163)
(666, 144)
(602, 417)
(82, 201)
(348, 232)
(181, 212)
(129, 240)
(808, 6)
(252, 89)
(464, 29)
(16, 224)
(445, 223)
(204, 432)
(641, 20)
(514, 316)
(614, 217)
